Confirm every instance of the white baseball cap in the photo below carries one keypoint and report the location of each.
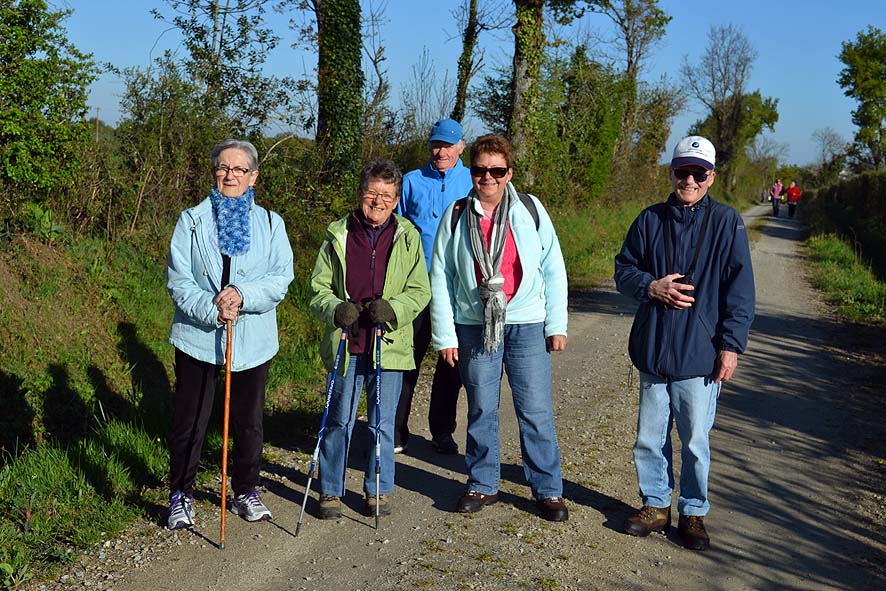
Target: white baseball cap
(694, 150)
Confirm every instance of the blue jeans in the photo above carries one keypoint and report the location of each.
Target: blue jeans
(692, 404)
(340, 426)
(527, 361)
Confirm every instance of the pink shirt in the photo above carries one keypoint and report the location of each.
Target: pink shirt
(511, 268)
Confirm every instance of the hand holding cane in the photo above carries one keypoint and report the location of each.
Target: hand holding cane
(377, 417)
(227, 416)
(330, 386)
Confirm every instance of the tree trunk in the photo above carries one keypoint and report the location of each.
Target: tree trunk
(529, 40)
(339, 86)
(466, 62)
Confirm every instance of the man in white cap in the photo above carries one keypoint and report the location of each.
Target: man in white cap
(427, 192)
(688, 263)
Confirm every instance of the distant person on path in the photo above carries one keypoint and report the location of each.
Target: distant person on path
(687, 261)
(499, 299)
(427, 192)
(793, 195)
(229, 259)
(775, 193)
(370, 270)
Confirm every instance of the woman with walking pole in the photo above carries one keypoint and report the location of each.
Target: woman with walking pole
(370, 271)
(229, 265)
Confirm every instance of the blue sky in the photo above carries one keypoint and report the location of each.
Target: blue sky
(797, 42)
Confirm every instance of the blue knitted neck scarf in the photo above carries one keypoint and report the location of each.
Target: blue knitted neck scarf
(232, 221)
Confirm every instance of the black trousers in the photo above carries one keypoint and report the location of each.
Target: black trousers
(194, 391)
(444, 388)
(792, 208)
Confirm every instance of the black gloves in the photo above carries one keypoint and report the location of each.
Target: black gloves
(346, 314)
(380, 312)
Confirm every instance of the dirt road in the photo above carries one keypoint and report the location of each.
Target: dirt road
(797, 489)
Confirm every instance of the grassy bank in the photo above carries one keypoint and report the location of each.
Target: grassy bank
(846, 280)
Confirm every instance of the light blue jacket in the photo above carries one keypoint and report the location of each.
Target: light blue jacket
(425, 196)
(541, 297)
(193, 278)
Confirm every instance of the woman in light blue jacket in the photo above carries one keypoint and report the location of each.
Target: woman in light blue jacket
(229, 259)
(498, 300)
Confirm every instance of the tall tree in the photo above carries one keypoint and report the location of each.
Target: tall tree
(639, 23)
(864, 79)
(719, 83)
(339, 84)
(228, 44)
(529, 42)
(43, 87)
(475, 18)
(732, 127)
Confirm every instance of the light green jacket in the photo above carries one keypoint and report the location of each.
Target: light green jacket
(406, 288)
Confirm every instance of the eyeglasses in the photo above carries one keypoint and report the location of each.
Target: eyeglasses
(497, 172)
(224, 169)
(383, 196)
(699, 174)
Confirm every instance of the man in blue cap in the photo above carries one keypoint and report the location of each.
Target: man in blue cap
(426, 194)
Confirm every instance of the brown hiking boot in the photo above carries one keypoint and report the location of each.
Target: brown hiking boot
(384, 505)
(647, 520)
(330, 507)
(692, 532)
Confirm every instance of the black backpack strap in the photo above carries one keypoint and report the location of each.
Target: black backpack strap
(457, 210)
(460, 205)
(529, 204)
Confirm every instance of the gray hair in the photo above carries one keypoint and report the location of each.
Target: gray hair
(242, 145)
(381, 170)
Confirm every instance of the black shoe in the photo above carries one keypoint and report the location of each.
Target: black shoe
(553, 508)
(692, 532)
(647, 520)
(445, 444)
(473, 501)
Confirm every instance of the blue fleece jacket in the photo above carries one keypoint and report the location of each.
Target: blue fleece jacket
(426, 194)
(684, 343)
(193, 278)
(541, 297)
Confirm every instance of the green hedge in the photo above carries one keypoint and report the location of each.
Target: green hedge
(854, 208)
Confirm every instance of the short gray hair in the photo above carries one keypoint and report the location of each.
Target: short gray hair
(242, 145)
(381, 170)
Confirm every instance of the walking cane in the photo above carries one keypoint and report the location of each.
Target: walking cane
(377, 417)
(330, 385)
(224, 474)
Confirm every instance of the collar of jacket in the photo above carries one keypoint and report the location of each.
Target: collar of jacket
(681, 213)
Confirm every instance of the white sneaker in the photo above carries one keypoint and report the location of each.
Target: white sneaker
(250, 507)
(181, 511)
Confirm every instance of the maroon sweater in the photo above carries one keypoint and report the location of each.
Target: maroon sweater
(366, 256)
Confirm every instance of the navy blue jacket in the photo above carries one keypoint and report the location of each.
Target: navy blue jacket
(684, 343)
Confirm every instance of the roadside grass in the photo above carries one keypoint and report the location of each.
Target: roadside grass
(590, 239)
(87, 376)
(846, 280)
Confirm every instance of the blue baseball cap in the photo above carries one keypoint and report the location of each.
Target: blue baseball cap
(445, 130)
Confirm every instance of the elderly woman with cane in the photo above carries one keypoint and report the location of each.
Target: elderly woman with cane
(229, 264)
(498, 285)
(370, 271)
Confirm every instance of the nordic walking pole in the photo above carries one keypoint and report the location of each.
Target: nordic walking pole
(377, 416)
(330, 385)
(227, 417)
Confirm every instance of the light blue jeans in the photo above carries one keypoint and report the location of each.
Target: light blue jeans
(692, 405)
(527, 361)
(340, 426)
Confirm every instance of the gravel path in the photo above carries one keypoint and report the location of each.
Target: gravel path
(797, 489)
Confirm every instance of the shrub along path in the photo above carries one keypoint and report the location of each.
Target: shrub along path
(797, 485)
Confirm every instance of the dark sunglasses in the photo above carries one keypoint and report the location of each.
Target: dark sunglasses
(497, 172)
(700, 175)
